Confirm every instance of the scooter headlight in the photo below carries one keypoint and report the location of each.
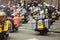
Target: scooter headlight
(40, 22)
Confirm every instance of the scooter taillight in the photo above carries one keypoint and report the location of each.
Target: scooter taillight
(0, 26)
(22, 16)
(1, 16)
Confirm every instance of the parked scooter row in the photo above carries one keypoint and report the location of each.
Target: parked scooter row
(43, 20)
(41, 23)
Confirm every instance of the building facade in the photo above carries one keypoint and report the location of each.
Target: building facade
(9, 2)
(5, 2)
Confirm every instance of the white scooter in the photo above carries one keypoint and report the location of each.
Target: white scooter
(41, 25)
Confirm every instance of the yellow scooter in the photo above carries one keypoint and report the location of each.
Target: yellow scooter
(4, 26)
(41, 24)
(31, 12)
(55, 16)
(24, 18)
(35, 15)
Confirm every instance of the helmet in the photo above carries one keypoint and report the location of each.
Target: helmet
(28, 5)
(17, 10)
(2, 15)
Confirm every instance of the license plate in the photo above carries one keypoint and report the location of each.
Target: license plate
(40, 26)
(35, 16)
(53, 16)
(22, 17)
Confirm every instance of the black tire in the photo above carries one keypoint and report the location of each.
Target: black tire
(1, 37)
(16, 29)
(26, 21)
(44, 31)
(7, 35)
(11, 26)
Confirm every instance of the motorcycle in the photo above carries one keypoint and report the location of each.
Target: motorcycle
(24, 16)
(13, 27)
(15, 21)
(35, 15)
(31, 12)
(55, 15)
(4, 26)
(36, 12)
(41, 25)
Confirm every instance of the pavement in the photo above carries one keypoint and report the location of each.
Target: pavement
(56, 26)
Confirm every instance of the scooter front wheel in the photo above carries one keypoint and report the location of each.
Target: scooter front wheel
(16, 29)
(44, 31)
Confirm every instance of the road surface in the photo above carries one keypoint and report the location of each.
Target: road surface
(25, 32)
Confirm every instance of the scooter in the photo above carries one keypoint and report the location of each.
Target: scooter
(35, 15)
(55, 15)
(31, 12)
(41, 25)
(4, 29)
(24, 18)
(14, 23)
